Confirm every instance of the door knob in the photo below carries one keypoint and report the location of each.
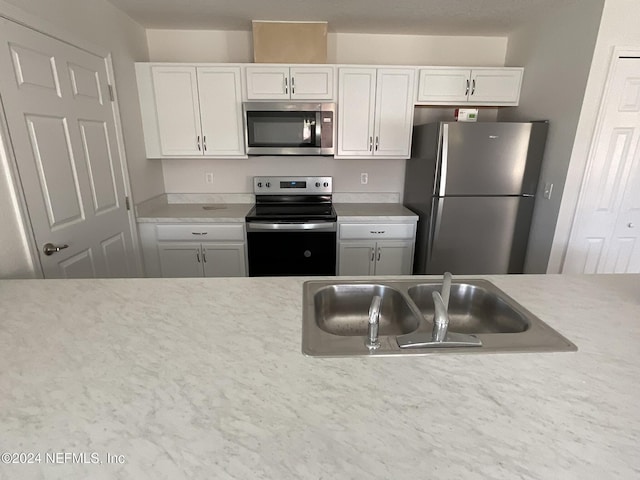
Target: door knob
(50, 248)
(630, 225)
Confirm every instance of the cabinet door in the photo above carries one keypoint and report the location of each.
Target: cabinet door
(311, 83)
(176, 98)
(394, 112)
(444, 85)
(224, 260)
(357, 258)
(496, 86)
(221, 111)
(180, 259)
(356, 100)
(267, 83)
(394, 257)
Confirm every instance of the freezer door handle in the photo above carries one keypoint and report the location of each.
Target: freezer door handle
(444, 159)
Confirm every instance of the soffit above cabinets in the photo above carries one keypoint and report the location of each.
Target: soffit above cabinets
(407, 17)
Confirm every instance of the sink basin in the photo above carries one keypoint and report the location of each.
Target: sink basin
(335, 318)
(344, 310)
(472, 309)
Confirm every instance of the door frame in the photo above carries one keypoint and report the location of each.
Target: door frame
(37, 24)
(618, 51)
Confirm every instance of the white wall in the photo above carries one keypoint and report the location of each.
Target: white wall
(101, 24)
(234, 176)
(556, 52)
(235, 46)
(619, 27)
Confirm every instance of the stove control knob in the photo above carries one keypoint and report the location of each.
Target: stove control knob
(259, 184)
(317, 184)
(326, 184)
(267, 185)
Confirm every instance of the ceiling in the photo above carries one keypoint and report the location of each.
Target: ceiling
(415, 17)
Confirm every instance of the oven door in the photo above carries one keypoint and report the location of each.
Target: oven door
(291, 249)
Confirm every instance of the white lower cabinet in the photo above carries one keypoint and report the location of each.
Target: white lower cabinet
(178, 250)
(201, 260)
(386, 257)
(376, 249)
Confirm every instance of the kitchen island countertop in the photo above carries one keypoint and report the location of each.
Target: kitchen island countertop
(204, 379)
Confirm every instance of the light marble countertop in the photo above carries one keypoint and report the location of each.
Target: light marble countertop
(195, 212)
(204, 379)
(354, 212)
(160, 212)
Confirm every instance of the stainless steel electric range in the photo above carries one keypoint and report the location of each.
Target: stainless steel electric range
(291, 230)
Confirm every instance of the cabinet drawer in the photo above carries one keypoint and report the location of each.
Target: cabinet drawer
(201, 232)
(372, 230)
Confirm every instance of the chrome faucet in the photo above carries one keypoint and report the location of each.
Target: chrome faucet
(441, 310)
(440, 319)
(372, 341)
(439, 336)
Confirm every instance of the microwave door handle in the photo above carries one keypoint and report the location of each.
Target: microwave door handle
(318, 129)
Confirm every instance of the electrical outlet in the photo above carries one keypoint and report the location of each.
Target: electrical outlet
(364, 178)
(208, 177)
(548, 188)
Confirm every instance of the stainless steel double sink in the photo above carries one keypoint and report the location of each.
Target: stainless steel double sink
(336, 317)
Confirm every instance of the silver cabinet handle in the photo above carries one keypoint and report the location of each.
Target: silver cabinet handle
(293, 86)
(204, 142)
(370, 144)
(286, 86)
(467, 90)
(198, 142)
(198, 255)
(204, 256)
(199, 233)
(50, 248)
(377, 142)
(373, 254)
(473, 86)
(379, 254)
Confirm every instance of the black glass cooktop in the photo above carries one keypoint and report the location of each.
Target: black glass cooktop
(289, 209)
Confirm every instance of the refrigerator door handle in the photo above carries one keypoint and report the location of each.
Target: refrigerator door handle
(444, 160)
(436, 216)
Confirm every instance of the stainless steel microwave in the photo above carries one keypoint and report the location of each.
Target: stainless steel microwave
(288, 128)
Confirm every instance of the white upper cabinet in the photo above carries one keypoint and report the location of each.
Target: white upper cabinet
(190, 111)
(290, 83)
(375, 112)
(498, 86)
(178, 111)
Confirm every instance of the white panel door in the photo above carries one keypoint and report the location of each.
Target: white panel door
(221, 111)
(176, 95)
(224, 260)
(394, 112)
(356, 104)
(606, 232)
(312, 83)
(444, 85)
(62, 129)
(494, 85)
(267, 83)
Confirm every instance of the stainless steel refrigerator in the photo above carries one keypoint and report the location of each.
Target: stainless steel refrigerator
(473, 187)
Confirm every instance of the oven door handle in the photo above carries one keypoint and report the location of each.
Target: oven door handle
(326, 226)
